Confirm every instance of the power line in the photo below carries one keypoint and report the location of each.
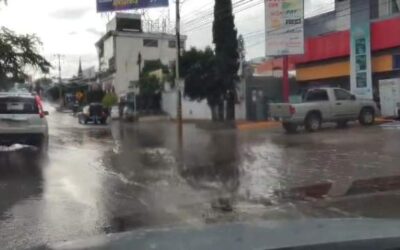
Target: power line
(211, 14)
(206, 12)
(209, 21)
(205, 19)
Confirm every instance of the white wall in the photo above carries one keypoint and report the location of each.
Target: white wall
(128, 48)
(108, 52)
(343, 15)
(240, 108)
(190, 109)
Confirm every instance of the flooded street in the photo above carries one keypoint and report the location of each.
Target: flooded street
(97, 180)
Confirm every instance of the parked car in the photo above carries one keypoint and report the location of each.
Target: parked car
(23, 120)
(129, 114)
(94, 112)
(114, 114)
(324, 105)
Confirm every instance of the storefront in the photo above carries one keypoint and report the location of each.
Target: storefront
(328, 58)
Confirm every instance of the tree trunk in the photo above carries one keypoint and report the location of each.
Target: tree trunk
(220, 108)
(230, 107)
(214, 113)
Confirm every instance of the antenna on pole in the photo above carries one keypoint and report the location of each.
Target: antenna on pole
(59, 56)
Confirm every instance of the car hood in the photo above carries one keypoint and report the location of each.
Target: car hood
(259, 235)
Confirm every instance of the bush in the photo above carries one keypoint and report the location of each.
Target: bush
(109, 100)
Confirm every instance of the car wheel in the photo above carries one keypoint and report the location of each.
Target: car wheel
(313, 122)
(342, 124)
(290, 128)
(367, 117)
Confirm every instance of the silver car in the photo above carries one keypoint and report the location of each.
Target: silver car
(325, 105)
(23, 120)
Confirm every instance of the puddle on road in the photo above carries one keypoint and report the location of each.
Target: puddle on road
(16, 147)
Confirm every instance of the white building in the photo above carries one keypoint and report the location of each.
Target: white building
(119, 48)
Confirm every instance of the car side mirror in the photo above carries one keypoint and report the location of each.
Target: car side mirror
(353, 97)
(46, 113)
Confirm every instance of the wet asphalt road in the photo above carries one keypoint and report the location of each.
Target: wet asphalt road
(107, 179)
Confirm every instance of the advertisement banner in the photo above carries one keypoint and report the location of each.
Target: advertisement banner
(115, 5)
(361, 66)
(284, 27)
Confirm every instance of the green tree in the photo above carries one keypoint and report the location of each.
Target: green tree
(198, 70)
(16, 53)
(226, 52)
(149, 85)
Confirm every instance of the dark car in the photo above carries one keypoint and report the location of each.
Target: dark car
(94, 112)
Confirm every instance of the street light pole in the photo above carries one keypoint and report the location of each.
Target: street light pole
(178, 51)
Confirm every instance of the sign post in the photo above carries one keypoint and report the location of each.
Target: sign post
(285, 81)
(360, 58)
(284, 33)
(178, 53)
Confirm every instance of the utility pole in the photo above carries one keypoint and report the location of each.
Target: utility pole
(59, 77)
(286, 85)
(59, 66)
(178, 54)
(136, 87)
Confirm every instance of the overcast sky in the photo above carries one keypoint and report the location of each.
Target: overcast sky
(71, 27)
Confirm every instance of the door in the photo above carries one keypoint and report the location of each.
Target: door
(258, 107)
(345, 106)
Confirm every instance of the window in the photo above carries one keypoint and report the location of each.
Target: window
(150, 43)
(395, 6)
(18, 105)
(388, 7)
(172, 44)
(342, 95)
(317, 95)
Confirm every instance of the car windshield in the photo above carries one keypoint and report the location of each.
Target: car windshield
(213, 123)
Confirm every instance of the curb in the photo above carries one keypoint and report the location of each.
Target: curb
(258, 125)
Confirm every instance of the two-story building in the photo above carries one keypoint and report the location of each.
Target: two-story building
(119, 50)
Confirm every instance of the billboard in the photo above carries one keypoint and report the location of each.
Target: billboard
(115, 5)
(360, 58)
(284, 27)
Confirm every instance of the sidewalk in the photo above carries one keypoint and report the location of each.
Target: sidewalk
(381, 120)
(246, 125)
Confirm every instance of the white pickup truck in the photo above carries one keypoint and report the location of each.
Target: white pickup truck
(324, 105)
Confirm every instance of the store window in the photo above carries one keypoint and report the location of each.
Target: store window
(172, 44)
(388, 7)
(395, 6)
